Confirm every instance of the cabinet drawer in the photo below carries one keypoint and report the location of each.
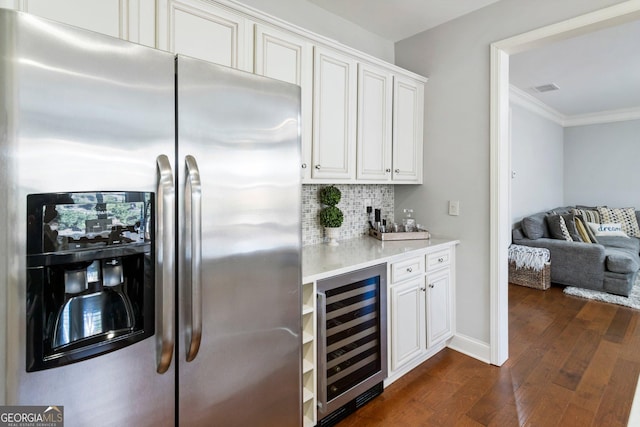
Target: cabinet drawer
(438, 259)
(406, 269)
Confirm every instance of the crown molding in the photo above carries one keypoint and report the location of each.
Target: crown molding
(519, 97)
(603, 117)
(525, 100)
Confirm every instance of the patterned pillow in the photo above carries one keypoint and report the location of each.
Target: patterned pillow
(558, 228)
(585, 232)
(589, 215)
(625, 216)
(565, 230)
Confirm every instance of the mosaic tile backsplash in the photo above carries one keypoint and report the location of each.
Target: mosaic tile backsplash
(353, 206)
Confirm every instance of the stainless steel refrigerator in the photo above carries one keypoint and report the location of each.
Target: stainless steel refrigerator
(150, 235)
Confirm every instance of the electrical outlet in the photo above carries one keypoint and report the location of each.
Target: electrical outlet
(454, 207)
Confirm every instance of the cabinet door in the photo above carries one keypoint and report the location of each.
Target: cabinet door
(284, 56)
(408, 108)
(407, 321)
(201, 30)
(439, 311)
(132, 20)
(334, 115)
(375, 93)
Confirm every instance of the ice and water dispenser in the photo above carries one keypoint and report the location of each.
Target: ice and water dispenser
(90, 287)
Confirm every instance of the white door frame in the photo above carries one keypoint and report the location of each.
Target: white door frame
(500, 152)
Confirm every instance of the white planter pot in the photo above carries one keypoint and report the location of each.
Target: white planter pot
(332, 234)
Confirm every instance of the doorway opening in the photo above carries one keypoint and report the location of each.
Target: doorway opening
(500, 151)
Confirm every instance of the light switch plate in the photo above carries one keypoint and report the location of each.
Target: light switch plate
(454, 207)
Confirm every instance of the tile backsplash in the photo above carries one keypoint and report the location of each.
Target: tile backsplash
(353, 206)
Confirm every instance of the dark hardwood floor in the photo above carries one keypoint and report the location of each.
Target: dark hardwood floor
(572, 362)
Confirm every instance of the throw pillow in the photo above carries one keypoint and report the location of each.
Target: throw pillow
(607, 229)
(589, 215)
(558, 228)
(533, 227)
(584, 230)
(565, 230)
(625, 216)
(591, 208)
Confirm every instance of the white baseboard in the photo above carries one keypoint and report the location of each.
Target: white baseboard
(471, 347)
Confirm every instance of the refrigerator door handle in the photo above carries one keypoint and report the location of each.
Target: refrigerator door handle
(322, 352)
(193, 216)
(165, 264)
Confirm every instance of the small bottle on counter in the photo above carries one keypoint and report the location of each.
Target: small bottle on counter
(408, 221)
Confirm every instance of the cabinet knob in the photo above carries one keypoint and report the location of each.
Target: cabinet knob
(409, 269)
(440, 259)
(423, 289)
(304, 166)
(318, 167)
(430, 285)
(388, 170)
(397, 171)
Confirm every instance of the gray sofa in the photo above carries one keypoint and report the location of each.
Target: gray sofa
(611, 265)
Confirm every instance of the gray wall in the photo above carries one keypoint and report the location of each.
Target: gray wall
(312, 17)
(455, 57)
(602, 164)
(538, 162)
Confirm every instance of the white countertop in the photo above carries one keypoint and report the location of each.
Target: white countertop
(322, 261)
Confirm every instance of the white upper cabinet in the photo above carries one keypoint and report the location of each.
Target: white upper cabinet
(375, 102)
(334, 115)
(202, 30)
(287, 57)
(132, 20)
(408, 109)
(362, 119)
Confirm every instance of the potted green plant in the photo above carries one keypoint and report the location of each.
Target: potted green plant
(331, 216)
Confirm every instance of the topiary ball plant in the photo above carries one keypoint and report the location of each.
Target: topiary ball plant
(330, 216)
(330, 195)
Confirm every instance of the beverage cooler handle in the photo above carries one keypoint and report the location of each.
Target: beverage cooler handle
(193, 214)
(322, 352)
(165, 264)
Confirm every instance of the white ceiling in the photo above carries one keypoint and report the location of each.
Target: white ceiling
(398, 19)
(596, 72)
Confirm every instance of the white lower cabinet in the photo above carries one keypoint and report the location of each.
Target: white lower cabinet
(438, 312)
(421, 309)
(407, 321)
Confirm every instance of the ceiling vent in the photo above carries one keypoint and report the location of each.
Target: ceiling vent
(546, 88)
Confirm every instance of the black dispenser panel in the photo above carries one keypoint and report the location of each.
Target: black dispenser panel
(90, 275)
